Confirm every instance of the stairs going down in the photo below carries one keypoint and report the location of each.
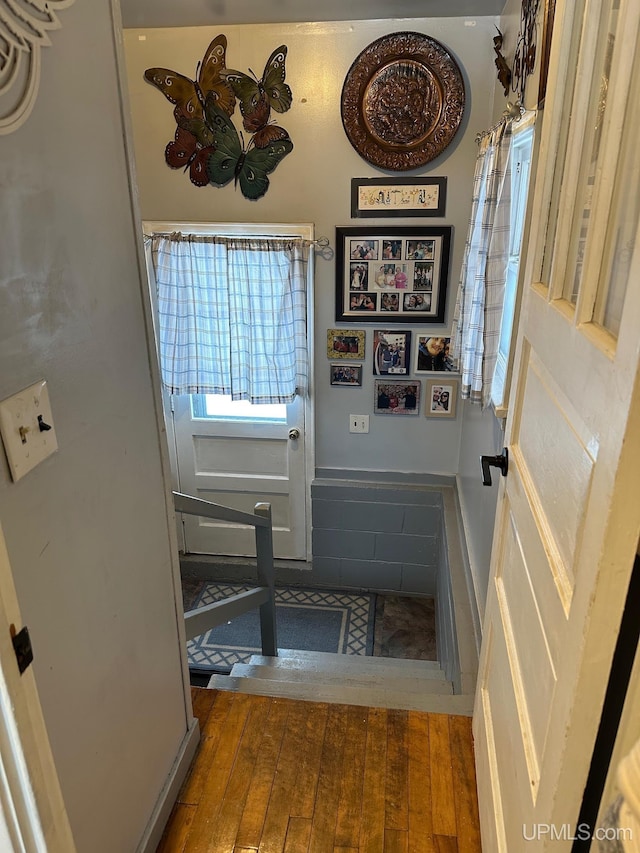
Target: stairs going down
(413, 685)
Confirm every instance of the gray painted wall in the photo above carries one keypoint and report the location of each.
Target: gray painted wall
(482, 432)
(377, 532)
(87, 530)
(313, 185)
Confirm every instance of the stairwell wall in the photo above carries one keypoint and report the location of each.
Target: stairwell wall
(87, 531)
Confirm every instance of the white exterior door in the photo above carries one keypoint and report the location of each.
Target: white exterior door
(568, 515)
(238, 455)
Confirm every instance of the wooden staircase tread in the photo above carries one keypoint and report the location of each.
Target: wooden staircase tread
(365, 680)
(373, 697)
(348, 662)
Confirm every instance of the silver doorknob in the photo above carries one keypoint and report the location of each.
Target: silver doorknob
(293, 434)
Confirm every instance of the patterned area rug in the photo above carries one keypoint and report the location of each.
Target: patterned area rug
(307, 619)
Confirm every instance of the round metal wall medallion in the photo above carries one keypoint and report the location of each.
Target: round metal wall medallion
(402, 101)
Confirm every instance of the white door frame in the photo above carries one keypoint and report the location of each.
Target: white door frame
(234, 229)
(32, 811)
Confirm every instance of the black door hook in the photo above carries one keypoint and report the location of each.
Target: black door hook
(501, 462)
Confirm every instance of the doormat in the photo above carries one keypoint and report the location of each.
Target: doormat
(315, 620)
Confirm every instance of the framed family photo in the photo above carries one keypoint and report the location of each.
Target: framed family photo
(396, 397)
(345, 343)
(391, 352)
(346, 375)
(433, 354)
(441, 396)
(398, 275)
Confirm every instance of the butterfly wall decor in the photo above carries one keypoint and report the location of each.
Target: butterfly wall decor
(191, 146)
(206, 142)
(258, 97)
(189, 95)
(248, 166)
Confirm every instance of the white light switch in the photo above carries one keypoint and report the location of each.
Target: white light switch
(27, 429)
(358, 423)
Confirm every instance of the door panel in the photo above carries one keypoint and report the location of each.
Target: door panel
(516, 770)
(553, 454)
(239, 463)
(568, 518)
(535, 676)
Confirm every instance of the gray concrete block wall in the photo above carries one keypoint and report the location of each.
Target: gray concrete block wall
(381, 533)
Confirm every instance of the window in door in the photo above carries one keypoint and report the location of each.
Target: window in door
(587, 280)
(220, 407)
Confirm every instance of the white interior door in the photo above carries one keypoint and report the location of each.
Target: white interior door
(238, 455)
(568, 515)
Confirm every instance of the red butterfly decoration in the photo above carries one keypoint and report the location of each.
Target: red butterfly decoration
(255, 120)
(185, 152)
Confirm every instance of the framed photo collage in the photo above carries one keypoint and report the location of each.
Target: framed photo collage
(393, 275)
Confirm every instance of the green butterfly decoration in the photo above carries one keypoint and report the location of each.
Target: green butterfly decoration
(229, 160)
(271, 86)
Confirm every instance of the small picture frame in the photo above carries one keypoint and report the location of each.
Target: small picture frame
(392, 275)
(345, 343)
(391, 352)
(441, 396)
(433, 354)
(344, 375)
(377, 197)
(396, 396)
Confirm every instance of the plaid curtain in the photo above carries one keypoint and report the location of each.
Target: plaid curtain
(232, 316)
(478, 312)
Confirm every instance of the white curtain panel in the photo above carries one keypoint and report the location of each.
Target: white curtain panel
(232, 316)
(478, 311)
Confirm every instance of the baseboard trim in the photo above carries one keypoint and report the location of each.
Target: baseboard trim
(464, 613)
(164, 805)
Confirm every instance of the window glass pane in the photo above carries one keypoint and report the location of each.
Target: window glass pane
(221, 407)
(520, 171)
(506, 326)
(560, 164)
(591, 148)
(623, 222)
(520, 184)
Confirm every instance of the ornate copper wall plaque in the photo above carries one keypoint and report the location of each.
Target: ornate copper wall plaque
(402, 101)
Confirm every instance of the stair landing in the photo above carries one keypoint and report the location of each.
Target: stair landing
(347, 679)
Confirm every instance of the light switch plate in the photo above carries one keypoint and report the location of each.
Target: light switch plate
(27, 428)
(358, 423)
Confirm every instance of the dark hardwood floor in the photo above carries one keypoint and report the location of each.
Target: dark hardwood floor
(284, 776)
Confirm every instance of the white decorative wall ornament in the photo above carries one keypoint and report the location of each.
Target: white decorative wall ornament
(24, 26)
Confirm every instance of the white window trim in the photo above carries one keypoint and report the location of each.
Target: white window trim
(501, 384)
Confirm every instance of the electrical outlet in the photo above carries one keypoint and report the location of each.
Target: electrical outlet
(358, 423)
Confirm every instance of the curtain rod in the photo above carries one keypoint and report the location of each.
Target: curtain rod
(512, 112)
(321, 242)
